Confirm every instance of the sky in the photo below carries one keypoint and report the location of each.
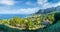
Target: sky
(26, 6)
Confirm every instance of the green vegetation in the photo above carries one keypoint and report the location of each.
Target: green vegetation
(31, 23)
(44, 21)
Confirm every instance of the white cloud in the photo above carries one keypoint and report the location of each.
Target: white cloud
(29, 10)
(20, 11)
(7, 2)
(45, 4)
(49, 5)
(41, 2)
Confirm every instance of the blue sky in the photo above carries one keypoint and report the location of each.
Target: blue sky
(25, 6)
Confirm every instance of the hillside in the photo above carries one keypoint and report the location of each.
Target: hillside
(32, 24)
(52, 28)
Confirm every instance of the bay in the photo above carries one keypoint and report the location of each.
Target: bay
(7, 16)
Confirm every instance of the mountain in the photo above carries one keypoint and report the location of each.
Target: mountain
(48, 10)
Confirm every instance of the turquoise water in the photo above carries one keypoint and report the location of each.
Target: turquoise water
(7, 16)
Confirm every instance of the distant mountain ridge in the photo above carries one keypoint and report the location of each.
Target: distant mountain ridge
(48, 10)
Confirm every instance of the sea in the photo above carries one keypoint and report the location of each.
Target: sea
(7, 16)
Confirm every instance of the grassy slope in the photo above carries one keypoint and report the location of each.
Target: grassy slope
(54, 28)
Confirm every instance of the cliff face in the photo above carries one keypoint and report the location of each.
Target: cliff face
(48, 10)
